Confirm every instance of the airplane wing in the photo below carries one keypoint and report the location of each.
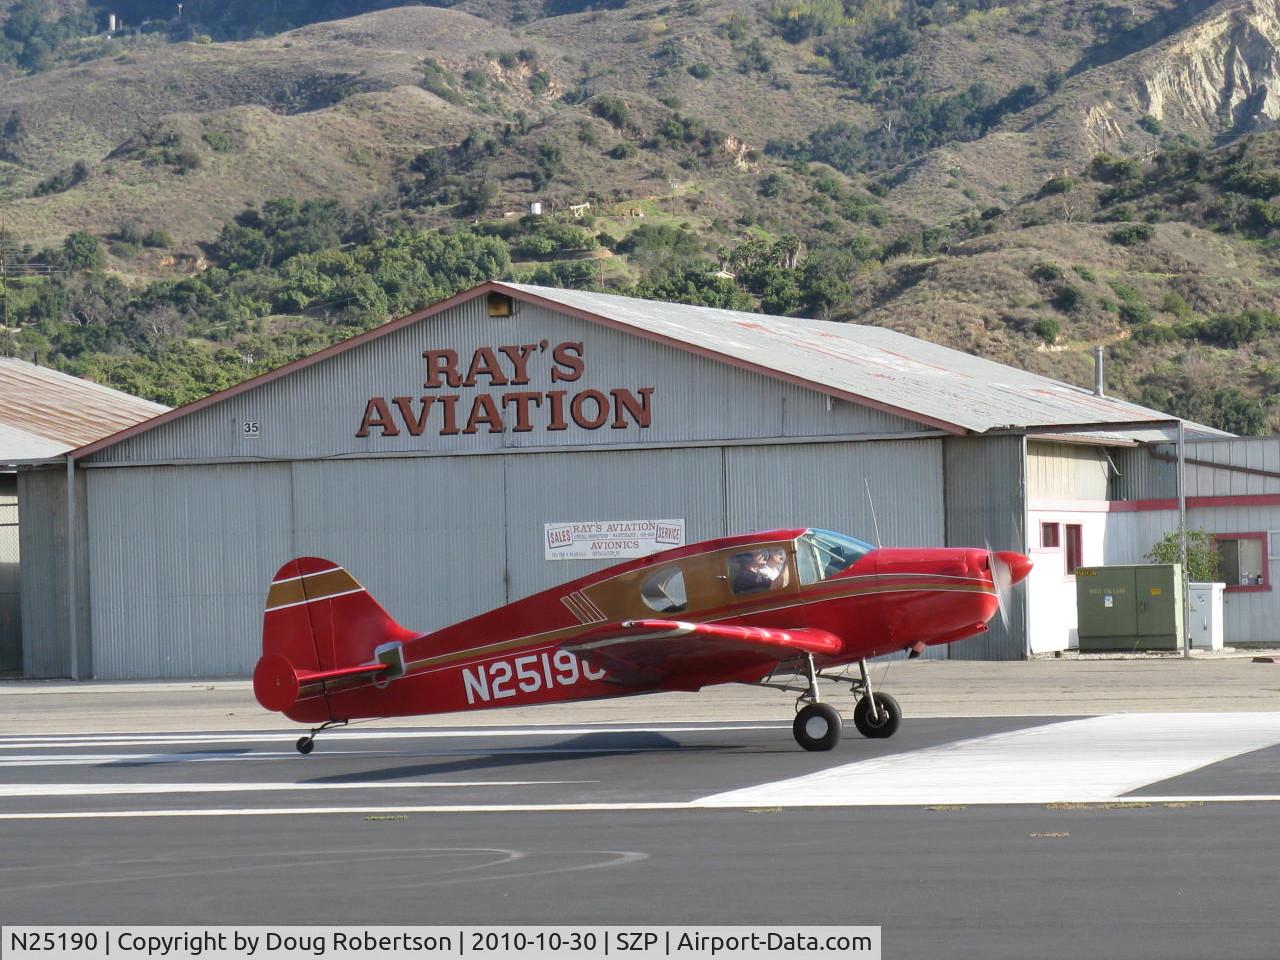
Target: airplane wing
(647, 651)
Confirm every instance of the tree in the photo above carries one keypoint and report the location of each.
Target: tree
(82, 251)
(1202, 554)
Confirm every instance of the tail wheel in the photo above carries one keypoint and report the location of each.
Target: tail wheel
(305, 745)
(817, 727)
(887, 724)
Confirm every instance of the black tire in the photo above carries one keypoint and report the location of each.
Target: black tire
(890, 717)
(305, 745)
(817, 727)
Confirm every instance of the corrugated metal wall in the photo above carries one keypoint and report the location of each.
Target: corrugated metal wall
(10, 577)
(440, 539)
(1257, 455)
(624, 485)
(42, 517)
(1247, 617)
(1066, 471)
(185, 600)
(424, 536)
(317, 411)
(986, 504)
(1140, 476)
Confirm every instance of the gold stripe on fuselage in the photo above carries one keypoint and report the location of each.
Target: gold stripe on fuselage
(762, 605)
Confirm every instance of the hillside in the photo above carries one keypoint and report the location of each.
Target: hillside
(964, 171)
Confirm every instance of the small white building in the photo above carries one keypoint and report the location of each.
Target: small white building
(1105, 505)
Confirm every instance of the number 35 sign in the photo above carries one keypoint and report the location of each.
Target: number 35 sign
(250, 429)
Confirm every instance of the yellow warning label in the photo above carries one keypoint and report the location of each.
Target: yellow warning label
(1156, 591)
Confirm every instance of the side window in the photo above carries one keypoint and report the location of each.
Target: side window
(807, 566)
(756, 570)
(664, 592)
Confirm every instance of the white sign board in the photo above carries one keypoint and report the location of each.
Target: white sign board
(610, 539)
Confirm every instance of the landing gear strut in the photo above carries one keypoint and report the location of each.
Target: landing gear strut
(817, 725)
(877, 715)
(308, 743)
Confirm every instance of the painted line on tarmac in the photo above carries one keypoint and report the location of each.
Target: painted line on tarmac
(1089, 760)
(25, 741)
(113, 789)
(675, 806)
(152, 759)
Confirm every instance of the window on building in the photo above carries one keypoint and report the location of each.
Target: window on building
(664, 591)
(1050, 535)
(1242, 561)
(1075, 548)
(1274, 552)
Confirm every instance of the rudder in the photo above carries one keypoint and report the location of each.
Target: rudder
(320, 624)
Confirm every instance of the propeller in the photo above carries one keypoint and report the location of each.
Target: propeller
(1002, 580)
(1007, 568)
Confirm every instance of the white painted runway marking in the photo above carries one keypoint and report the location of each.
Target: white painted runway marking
(1098, 758)
(30, 741)
(528, 808)
(110, 789)
(153, 759)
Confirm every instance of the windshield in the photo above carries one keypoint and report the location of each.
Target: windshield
(823, 553)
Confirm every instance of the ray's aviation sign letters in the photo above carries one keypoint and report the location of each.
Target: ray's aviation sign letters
(504, 401)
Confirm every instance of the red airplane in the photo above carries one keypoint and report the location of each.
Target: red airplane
(781, 609)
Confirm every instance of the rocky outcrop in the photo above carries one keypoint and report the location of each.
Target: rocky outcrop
(1221, 75)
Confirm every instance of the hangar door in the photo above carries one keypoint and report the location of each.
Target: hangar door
(180, 560)
(822, 485)
(654, 484)
(10, 581)
(423, 535)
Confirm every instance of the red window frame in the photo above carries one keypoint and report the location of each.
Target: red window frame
(1261, 537)
(1050, 535)
(1074, 552)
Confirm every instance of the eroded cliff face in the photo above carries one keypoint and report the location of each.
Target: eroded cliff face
(1221, 75)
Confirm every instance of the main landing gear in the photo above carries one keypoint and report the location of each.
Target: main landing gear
(818, 725)
(308, 743)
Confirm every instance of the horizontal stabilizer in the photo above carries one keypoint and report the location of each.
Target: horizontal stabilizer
(277, 684)
(642, 651)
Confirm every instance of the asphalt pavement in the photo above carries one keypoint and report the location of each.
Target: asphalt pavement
(1042, 809)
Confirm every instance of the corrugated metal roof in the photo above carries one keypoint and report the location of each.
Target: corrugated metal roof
(880, 368)
(874, 363)
(44, 413)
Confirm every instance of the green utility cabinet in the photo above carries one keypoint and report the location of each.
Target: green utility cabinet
(1130, 607)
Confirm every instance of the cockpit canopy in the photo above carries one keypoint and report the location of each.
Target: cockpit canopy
(822, 554)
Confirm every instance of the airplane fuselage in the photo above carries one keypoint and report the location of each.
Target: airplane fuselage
(875, 601)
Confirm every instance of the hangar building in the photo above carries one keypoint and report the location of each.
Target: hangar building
(430, 454)
(44, 414)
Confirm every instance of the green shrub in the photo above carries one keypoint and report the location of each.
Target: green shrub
(1202, 554)
(1067, 298)
(1046, 328)
(1061, 184)
(623, 150)
(612, 110)
(1045, 272)
(218, 141)
(699, 71)
(1132, 234)
(775, 184)
(1135, 313)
